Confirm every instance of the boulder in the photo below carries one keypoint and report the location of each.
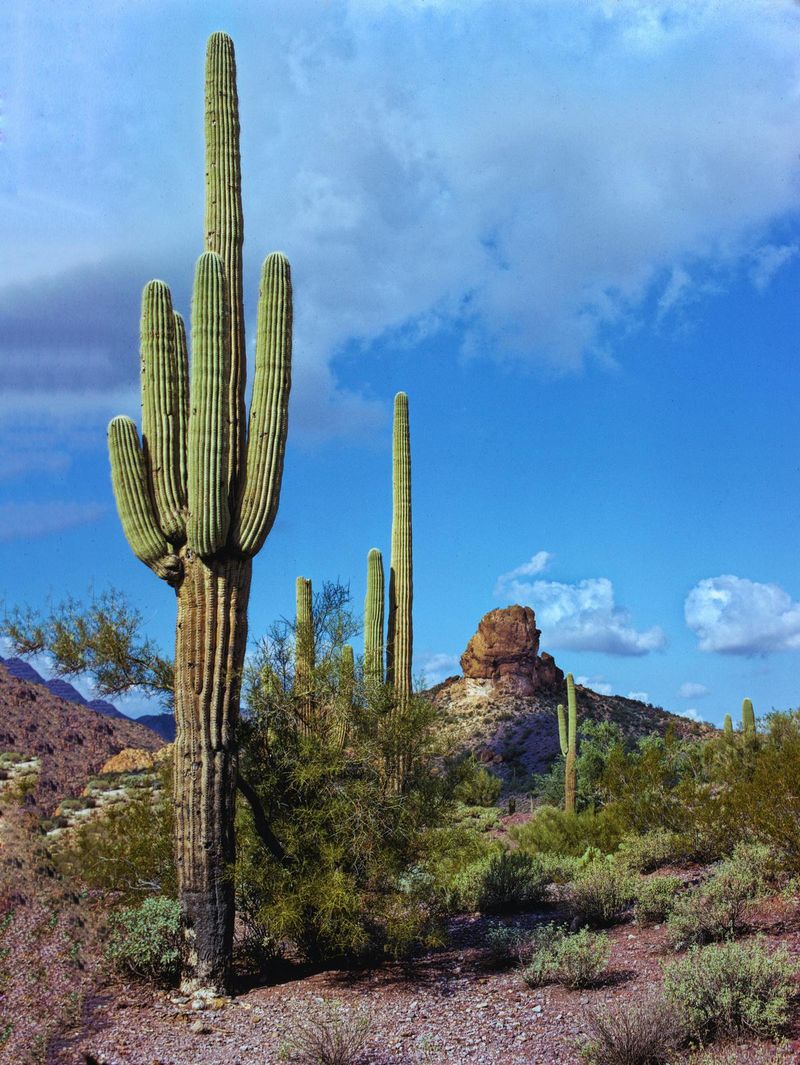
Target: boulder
(505, 650)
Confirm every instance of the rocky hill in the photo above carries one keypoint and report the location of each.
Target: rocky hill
(504, 707)
(72, 741)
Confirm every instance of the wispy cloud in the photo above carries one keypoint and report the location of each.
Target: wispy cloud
(736, 616)
(768, 260)
(691, 690)
(641, 697)
(436, 666)
(537, 564)
(27, 521)
(597, 684)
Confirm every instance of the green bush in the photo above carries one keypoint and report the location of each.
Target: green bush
(645, 853)
(504, 882)
(146, 940)
(574, 960)
(732, 989)
(507, 944)
(717, 909)
(552, 831)
(601, 893)
(656, 897)
(477, 786)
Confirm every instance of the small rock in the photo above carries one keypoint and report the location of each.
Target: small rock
(537, 1009)
(199, 1027)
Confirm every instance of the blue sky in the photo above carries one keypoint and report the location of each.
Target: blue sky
(569, 230)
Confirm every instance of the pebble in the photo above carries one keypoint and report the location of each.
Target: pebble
(199, 1027)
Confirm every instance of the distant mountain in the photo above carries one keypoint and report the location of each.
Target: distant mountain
(71, 740)
(162, 724)
(22, 670)
(107, 709)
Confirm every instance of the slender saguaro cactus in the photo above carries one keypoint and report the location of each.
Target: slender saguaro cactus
(346, 697)
(197, 499)
(748, 719)
(400, 636)
(568, 737)
(304, 654)
(373, 619)
(728, 725)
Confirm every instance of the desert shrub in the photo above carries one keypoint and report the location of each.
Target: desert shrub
(505, 882)
(596, 741)
(717, 909)
(509, 945)
(126, 851)
(645, 853)
(146, 939)
(655, 898)
(475, 785)
(601, 893)
(559, 868)
(330, 1034)
(637, 1032)
(575, 960)
(552, 831)
(729, 989)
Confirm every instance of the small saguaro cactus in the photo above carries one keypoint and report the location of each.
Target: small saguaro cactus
(304, 654)
(399, 640)
(373, 619)
(568, 737)
(197, 498)
(728, 725)
(748, 719)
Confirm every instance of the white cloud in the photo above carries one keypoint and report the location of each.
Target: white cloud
(481, 164)
(26, 521)
(537, 564)
(597, 684)
(733, 615)
(768, 260)
(582, 616)
(692, 713)
(436, 666)
(641, 697)
(691, 690)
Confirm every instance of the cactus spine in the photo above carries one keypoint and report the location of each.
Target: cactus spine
(728, 725)
(400, 637)
(373, 619)
(568, 737)
(304, 654)
(748, 719)
(197, 500)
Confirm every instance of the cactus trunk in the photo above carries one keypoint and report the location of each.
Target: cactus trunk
(728, 725)
(568, 737)
(399, 644)
(209, 655)
(304, 656)
(748, 719)
(373, 619)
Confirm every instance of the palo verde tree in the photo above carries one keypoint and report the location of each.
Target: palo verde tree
(197, 498)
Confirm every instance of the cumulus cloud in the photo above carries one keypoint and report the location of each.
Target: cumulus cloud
(537, 564)
(597, 684)
(691, 690)
(415, 175)
(26, 521)
(580, 617)
(641, 697)
(768, 260)
(436, 666)
(736, 616)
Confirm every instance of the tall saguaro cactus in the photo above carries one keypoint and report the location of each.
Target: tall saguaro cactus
(568, 737)
(400, 636)
(197, 499)
(748, 719)
(304, 653)
(727, 727)
(373, 618)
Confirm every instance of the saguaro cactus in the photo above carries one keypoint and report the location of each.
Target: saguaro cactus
(748, 720)
(197, 499)
(400, 636)
(304, 654)
(373, 619)
(568, 737)
(728, 725)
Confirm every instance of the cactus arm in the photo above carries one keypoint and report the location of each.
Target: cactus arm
(399, 643)
(208, 454)
(182, 395)
(224, 225)
(134, 504)
(373, 618)
(269, 409)
(161, 409)
(562, 730)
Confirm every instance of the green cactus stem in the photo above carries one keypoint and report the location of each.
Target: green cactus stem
(748, 719)
(728, 725)
(373, 619)
(399, 644)
(304, 655)
(568, 737)
(196, 503)
(345, 697)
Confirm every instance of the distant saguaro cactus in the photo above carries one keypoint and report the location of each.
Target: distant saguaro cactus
(728, 725)
(197, 499)
(304, 654)
(373, 619)
(399, 643)
(568, 737)
(748, 719)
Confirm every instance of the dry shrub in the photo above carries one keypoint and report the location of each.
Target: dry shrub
(331, 1034)
(638, 1032)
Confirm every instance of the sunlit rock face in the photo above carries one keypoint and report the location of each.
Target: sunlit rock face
(505, 650)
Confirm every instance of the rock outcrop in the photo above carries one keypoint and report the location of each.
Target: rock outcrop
(505, 649)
